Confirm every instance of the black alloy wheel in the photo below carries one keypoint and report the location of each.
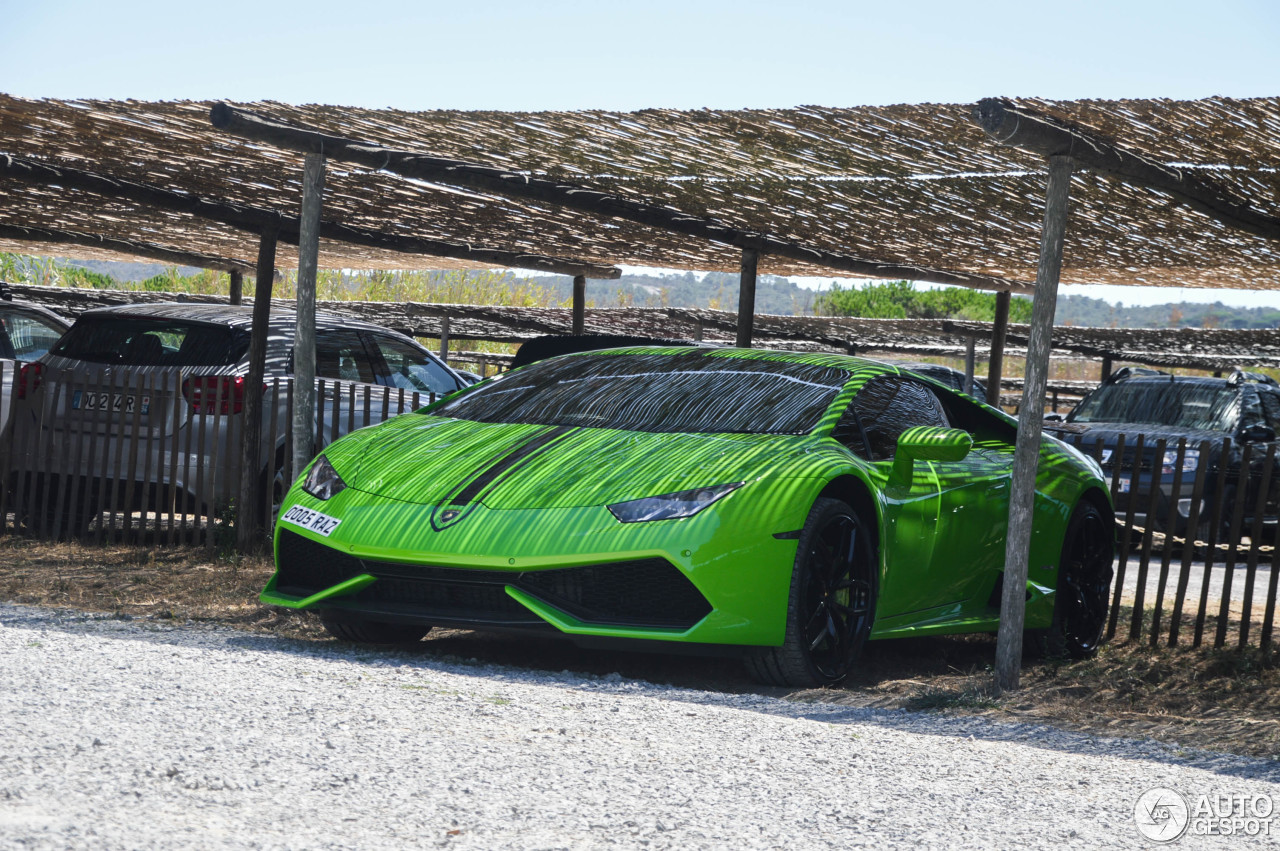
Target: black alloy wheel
(831, 603)
(1084, 584)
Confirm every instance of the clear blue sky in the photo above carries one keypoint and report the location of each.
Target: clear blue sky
(561, 54)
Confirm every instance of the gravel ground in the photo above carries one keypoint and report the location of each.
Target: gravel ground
(139, 734)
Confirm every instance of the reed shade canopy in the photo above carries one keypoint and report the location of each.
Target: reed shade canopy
(916, 186)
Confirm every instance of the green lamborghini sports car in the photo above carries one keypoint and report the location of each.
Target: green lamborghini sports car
(783, 506)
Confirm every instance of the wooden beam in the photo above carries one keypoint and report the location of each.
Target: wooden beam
(444, 338)
(995, 366)
(1026, 456)
(255, 219)
(970, 343)
(235, 290)
(248, 522)
(151, 251)
(1106, 368)
(579, 303)
(304, 343)
(1022, 128)
(747, 297)
(484, 178)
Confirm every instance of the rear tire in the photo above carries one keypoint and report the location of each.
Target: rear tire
(831, 604)
(1084, 585)
(373, 632)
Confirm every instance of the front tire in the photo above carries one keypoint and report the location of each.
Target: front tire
(373, 632)
(831, 604)
(1084, 585)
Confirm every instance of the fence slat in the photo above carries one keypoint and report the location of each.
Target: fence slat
(1148, 535)
(269, 442)
(150, 490)
(130, 482)
(48, 478)
(7, 431)
(1233, 538)
(69, 494)
(1122, 563)
(175, 449)
(1189, 543)
(1269, 610)
(1255, 544)
(1170, 530)
(1211, 545)
(102, 470)
(209, 457)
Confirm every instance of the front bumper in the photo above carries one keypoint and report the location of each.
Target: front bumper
(718, 578)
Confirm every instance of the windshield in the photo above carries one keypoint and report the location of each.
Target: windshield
(143, 341)
(692, 392)
(1180, 404)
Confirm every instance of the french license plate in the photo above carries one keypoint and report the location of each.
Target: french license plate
(312, 521)
(126, 402)
(1122, 486)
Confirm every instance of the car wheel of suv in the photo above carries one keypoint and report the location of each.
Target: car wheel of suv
(373, 632)
(831, 604)
(1084, 585)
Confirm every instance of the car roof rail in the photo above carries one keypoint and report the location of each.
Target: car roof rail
(1128, 372)
(1239, 376)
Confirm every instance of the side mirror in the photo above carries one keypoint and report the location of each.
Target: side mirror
(1256, 433)
(929, 443)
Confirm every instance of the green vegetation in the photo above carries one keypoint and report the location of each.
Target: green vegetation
(901, 300)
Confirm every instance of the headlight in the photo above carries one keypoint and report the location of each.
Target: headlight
(1190, 461)
(670, 506)
(323, 481)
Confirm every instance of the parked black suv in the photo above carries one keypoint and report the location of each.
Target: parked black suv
(1241, 409)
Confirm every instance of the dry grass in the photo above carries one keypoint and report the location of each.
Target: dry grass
(1227, 700)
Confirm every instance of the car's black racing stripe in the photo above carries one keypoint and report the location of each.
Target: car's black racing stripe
(458, 505)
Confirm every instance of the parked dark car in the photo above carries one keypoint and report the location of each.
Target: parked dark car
(1240, 410)
(82, 416)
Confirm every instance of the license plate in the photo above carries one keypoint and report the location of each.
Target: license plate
(127, 402)
(1122, 486)
(312, 521)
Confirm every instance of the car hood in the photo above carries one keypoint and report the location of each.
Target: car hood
(434, 460)
(1109, 434)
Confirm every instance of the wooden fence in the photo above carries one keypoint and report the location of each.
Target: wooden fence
(140, 458)
(1185, 571)
(119, 472)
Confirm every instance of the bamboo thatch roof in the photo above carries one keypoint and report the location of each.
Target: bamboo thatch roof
(917, 184)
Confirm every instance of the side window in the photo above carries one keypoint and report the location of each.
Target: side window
(889, 405)
(411, 368)
(1271, 409)
(30, 337)
(340, 355)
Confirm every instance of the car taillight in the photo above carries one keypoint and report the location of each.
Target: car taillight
(29, 378)
(225, 393)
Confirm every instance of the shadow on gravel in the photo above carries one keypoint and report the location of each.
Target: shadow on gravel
(886, 669)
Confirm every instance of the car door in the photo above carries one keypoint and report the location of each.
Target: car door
(947, 518)
(408, 368)
(345, 372)
(26, 338)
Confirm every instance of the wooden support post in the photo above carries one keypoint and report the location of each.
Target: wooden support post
(698, 330)
(444, 338)
(968, 364)
(579, 303)
(747, 297)
(304, 344)
(995, 368)
(1106, 367)
(1030, 420)
(237, 286)
(248, 537)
